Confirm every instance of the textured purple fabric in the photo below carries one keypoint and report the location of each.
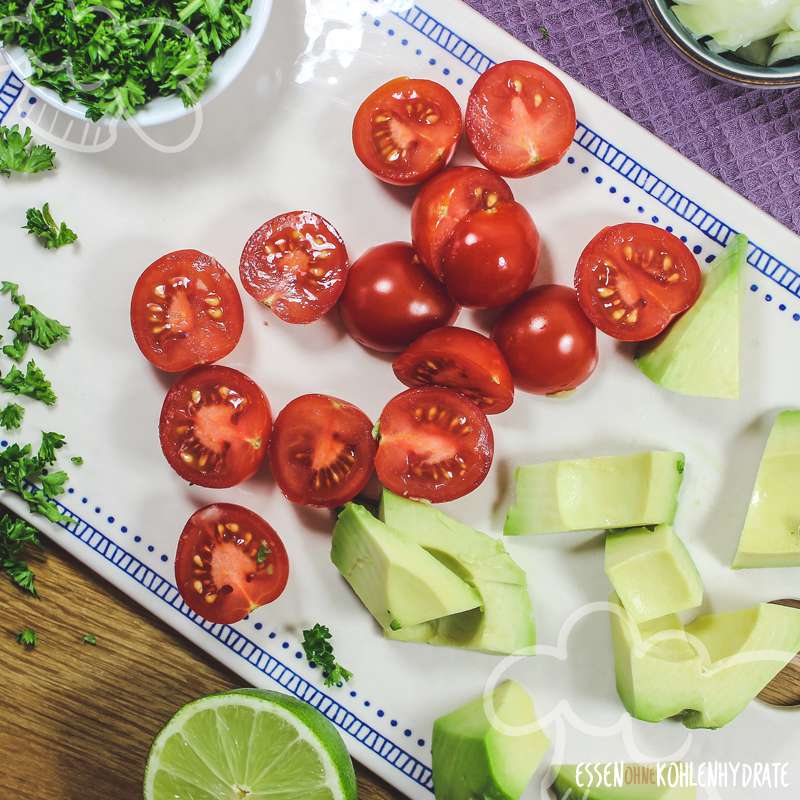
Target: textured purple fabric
(748, 138)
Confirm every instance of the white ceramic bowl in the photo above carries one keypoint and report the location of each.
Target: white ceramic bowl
(163, 109)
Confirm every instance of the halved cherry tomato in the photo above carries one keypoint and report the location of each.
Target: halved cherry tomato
(391, 299)
(462, 360)
(229, 562)
(215, 427)
(520, 119)
(444, 201)
(406, 130)
(434, 445)
(186, 311)
(296, 265)
(492, 256)
(634, 279)
(322, 450)
(547, 341)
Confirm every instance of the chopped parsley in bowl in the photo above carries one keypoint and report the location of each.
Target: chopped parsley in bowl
(144, 60)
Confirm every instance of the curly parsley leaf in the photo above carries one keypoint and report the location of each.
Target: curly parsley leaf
(16, 537)
(18, 153)
(50, 443)
(77, 460)
(31, 383)
(24, 474)
(30, 325)
(11, 416)
(53, 483)
(317, 647)
(28, 638)
(40, 223)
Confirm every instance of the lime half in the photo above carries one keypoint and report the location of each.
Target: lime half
(249, 744)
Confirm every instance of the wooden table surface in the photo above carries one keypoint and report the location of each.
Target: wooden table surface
(76, 721)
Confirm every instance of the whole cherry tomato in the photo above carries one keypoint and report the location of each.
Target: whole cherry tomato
(548, 342)
(390, 299)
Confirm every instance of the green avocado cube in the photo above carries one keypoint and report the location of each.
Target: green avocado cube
(699, 353)
(657, 669)
(706, 673)
(652, 572)
(488, 748)
(771, 534)
(742, 652)
(397, 580)
(504, 622)
(596, 493)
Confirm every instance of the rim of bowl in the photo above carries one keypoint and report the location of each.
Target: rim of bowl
(748, 74)
(162, 110)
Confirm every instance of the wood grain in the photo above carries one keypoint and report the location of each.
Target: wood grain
(784, 688)
(76, 721)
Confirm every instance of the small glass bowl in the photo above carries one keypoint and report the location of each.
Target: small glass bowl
(725, 66)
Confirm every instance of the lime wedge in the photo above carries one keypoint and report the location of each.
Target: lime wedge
(249, 744)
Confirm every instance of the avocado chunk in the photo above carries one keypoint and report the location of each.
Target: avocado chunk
(504, 622)
(771, 534)
(652, 572)
(657, 669)
(503, 625)
(708, 672)
(699, 354)
(742, 652)
(611, 782)
(455, 544)
(399, 582)
(595, 493)
(475, 757)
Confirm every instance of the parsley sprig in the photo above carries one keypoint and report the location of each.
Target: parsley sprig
(30, 326)
(31, 383)
(27, 475)
(40, 223)
(115, 56)
(16, 539)
(18, 152)
(11, 416)
(27, 638)
(317, 646)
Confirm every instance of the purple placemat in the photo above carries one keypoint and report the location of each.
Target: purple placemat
(748, 138)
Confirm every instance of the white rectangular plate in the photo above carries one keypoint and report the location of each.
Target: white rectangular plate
(279, 139)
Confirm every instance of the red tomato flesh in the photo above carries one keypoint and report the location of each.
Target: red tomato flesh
(296, 265)
(492, 256)
(520, 119)
(406, 130)
(444, 201)
(229, 562)
(547, 341)
(391, 299)
(634, 279)
(434, 445)
(322, 451)
(186, 311)
(462, 360)
(215, 427)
